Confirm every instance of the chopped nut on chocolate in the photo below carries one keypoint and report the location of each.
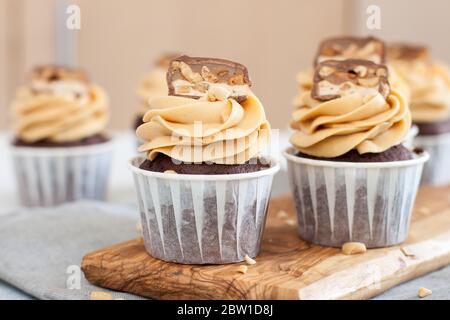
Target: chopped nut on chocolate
(55, 73)
(423, 292)
(334, 79)
(213, 79)
(350, 248)
(342, 48)
(400, 51)
(249, 260)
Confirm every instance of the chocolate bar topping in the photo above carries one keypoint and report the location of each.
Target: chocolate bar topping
(335, 79)
(342, 48)
(213, 79)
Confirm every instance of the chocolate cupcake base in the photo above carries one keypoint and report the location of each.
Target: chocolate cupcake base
(339, 202)
(163, 163)
(49, 176)
(202, 219)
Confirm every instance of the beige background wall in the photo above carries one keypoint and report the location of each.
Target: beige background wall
(119, 39)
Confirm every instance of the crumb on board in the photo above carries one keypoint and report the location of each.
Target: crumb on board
(243, 269)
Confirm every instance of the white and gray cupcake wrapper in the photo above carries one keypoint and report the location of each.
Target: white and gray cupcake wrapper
(339, 202)
(437, 169)
(202, 219)
(52, 176)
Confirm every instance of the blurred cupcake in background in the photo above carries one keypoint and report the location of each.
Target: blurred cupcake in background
(153, 85)
(205, 185)
(429, 85)
(350, 47)
(350, 175)
(60, 150)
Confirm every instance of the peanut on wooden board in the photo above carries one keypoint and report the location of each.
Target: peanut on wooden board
(350, 248)
(249, 260)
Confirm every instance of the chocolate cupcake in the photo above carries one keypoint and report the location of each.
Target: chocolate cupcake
(153, 85)
(60, 150)
(204, 187)
(429, 84)
(350, 47)
(351, 178)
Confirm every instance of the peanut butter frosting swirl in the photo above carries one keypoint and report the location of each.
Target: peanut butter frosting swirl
(59, 111)
(195, 131)
(369, 124)
(429, 85)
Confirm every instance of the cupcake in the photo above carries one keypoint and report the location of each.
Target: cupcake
(153, 85)
(348, 47)
(204, 186)
(429, 84)
(60, 149)
(351, 178)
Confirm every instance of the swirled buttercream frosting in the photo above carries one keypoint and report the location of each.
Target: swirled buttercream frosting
(59, 105)
(194, 131)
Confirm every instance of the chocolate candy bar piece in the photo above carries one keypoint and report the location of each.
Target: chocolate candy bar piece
(342, 48)
(214, 79)
(400, 51)
(335, 79)
(50, 73)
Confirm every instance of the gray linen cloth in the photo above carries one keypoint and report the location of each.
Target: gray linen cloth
(41, 249)
(38, 248)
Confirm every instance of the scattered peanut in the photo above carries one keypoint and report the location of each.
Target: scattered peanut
(282, 214)
(350, 248)
(98, 295)
(242, 269)
(423, 292)
(290, 222)
(249, 260)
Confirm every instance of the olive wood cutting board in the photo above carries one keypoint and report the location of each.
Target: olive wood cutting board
(287, 267)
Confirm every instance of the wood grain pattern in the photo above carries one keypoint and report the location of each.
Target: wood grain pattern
(287, 268)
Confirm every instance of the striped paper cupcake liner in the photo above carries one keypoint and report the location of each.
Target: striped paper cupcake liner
(202, 219)
(437, 169)
(52, 176)
(339, 202)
